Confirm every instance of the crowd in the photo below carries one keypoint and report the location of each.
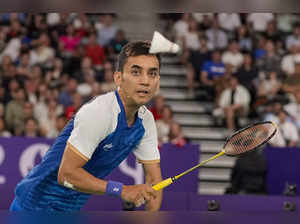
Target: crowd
(246, 64)
(50, 64)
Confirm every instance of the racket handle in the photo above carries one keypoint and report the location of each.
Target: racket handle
(162, 184)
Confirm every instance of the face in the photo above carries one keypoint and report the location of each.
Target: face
(139, 80)
(31, 126)
(167, 113)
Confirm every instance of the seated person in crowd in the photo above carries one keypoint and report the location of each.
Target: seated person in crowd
(288, 131)
(212, 73)
(293, 108)
(234, 102)
(157, 107)
(163, 125)
(176, 136)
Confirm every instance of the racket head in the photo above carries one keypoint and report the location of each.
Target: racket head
(249, 138)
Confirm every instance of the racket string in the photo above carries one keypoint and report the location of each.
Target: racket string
(249, 138)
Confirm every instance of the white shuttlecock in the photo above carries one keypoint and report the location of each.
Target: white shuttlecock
(160, 44)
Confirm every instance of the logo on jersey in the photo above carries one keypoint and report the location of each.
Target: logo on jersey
(116, 189)
(107, 147)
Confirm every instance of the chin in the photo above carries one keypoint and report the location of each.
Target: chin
(141, 102)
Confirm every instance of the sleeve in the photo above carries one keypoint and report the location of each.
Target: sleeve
(91, 125)
(147, 151)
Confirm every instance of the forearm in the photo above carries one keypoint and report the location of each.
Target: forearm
(80, 180)
(152, 179)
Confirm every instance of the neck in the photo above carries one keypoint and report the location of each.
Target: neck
(130, 109)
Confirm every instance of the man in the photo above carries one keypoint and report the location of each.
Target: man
(97, 139)
(234, 102)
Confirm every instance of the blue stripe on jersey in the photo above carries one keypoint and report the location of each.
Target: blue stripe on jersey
(39, 190)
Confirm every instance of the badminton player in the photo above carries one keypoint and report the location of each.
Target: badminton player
(97, 139)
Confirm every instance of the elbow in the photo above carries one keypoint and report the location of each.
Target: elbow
(62, 176)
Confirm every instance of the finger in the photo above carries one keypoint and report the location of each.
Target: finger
(140, 202)
(146, 196)
(151, 192)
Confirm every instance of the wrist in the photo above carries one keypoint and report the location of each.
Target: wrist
(114, 188)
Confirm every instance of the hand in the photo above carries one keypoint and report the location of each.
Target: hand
(138, 194)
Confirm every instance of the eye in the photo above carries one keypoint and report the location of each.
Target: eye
(135, 72)
(153, 73)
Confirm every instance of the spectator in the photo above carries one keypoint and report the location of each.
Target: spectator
(163, 125)
(176, 136)
(216, 36)
(95, 52)
(28, 110)
(69, 42)
(294, 38)
(108, 84)
(72, 109)
(107, 31)
(233, 57)
(244, 39)
(213, 73)
(42, 54)
(270, 86)
(247, 73)
(3, 131)
(234, 103)
(31, 129)
(66, 95)
(292, 83)
(288, 129)
(182, 25)
(259, 21)
(85, 68)
(157, 107)
(270, 61)
(14, 113)
(194, 63)
(117, 43)
(285, 22)
(47, 123)
(24, 68)
(85, 88)
(229, 21)
(271, 32)
(191, 37)
(31, 91)
(61, 122)
(293, 108)
(288, 61)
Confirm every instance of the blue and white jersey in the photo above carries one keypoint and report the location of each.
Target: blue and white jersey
(99, 133)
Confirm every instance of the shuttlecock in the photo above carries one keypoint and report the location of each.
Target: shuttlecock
(160, 44)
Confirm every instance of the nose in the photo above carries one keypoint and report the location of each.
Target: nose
(145, 80)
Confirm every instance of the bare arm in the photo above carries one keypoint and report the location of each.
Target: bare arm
(72, 175)
(205, 80)
(71, 172)
(153, 176)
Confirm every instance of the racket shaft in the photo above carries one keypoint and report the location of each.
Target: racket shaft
(161, 185)
(200, 164)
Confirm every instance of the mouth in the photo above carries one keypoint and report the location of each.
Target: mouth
(142, 93)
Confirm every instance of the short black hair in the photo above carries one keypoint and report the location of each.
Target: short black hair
(134, 49)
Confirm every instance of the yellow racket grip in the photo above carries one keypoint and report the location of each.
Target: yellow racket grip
(162, 184)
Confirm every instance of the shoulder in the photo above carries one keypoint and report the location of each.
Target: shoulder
(146, 116)
(100, 106)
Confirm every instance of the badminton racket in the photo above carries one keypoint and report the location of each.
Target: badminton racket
(242, 141)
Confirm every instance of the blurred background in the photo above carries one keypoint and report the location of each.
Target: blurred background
(232, 70)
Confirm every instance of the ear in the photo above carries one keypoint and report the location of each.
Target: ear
(117, 78)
